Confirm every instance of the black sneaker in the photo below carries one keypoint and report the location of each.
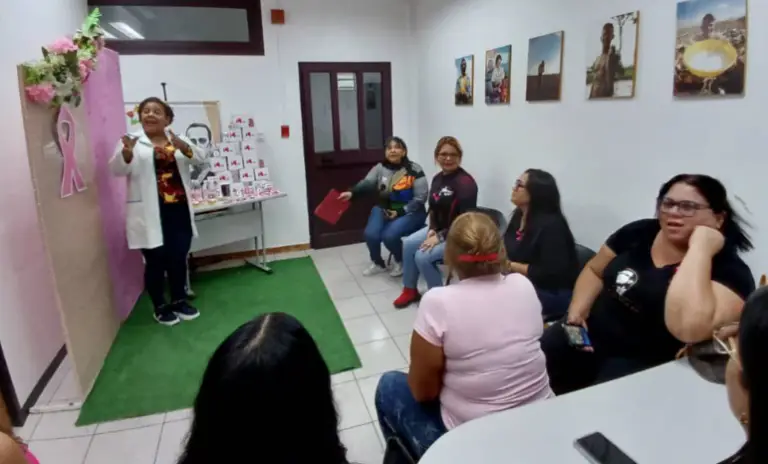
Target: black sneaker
(185, 311)
(166, 317)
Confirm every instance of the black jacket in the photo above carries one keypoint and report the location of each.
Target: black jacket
(547, 247)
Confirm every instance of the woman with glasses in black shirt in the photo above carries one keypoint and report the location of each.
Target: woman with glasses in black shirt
(654, 286)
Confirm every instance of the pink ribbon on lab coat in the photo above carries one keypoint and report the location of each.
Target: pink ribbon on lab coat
(71, 176)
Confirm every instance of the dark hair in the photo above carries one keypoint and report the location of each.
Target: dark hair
(717, 197)
(401, 142)
(266, 387)
(197, 124)
(499, 58)
(753, 351)
(608, 26)
(708, 17)
(166, 107)
(544, 204)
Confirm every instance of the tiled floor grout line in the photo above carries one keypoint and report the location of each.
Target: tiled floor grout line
(88, 449)
(159, 441)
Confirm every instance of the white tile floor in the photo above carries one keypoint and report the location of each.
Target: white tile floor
(381, 336)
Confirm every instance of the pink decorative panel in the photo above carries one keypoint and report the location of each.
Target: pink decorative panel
(105, 109)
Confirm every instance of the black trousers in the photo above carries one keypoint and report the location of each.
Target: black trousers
(171, 257)
(571, 369)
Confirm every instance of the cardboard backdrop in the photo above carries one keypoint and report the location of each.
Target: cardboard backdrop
(73, 235)
(104, 107)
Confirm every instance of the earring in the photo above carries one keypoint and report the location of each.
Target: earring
(744, 419)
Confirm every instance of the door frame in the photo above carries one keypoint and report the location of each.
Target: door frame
(333, 68)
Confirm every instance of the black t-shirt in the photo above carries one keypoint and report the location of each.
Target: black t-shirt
(628, 317)
(449, 196)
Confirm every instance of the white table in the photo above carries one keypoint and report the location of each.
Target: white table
(207, 212)
(665, 415)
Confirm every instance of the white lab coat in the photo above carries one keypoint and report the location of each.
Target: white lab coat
(143, 209)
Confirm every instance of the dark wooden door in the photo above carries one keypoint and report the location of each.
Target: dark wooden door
(346, 113)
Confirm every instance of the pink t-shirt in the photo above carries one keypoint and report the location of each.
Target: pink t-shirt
(489, 328)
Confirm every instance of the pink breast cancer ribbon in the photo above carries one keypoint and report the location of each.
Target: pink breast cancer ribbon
(71, 176)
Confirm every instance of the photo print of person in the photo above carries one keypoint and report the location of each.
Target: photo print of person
(497, 75)
(612, 57)
(200, 134)
(464, 92)
(545, 65)
(711, 48)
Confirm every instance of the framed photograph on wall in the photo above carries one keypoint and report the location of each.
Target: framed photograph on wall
(465, 70)
(545, 67)
(497, 75)
(711, 48)
(612, 57)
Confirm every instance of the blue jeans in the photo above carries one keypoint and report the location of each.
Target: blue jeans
(391, 232)
(554, 303)
(417, 261)
(417, 425)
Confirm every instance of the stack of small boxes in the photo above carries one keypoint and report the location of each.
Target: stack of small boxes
(239, 173)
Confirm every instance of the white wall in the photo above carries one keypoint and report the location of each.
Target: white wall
(268, 86)
(609, 157)
(30, 328)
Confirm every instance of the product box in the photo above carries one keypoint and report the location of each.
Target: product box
(242, 120)
(224, 177)
(246, 175)
(218, 163)
(237, 190)
(262, 174)
(248, 145)
(229, 148)
(233, 135)
(234, 163)
(250, 133)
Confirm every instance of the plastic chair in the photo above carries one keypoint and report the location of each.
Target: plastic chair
(583, 255)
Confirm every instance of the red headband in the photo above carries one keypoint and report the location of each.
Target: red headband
(478, 258)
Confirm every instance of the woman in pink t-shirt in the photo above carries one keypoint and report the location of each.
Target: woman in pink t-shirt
(475, 345)
(12, 451)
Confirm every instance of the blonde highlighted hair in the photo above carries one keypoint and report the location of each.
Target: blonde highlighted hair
(475, 238)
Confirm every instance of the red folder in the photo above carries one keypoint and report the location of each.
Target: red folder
(331, 208)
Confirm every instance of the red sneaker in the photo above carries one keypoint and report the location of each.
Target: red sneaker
(408, 297)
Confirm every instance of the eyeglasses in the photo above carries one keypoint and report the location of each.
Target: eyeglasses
(684, 208)
(445, 156)
(519, 184)
(726, 342)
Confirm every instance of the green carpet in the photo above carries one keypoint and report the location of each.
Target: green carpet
(153, 369)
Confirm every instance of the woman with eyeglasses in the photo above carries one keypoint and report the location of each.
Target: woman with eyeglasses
(654, 286)
(539, 241)
(453, 192)
(746, 378)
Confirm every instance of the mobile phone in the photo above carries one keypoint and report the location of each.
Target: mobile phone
(600, 450)
(577, 335)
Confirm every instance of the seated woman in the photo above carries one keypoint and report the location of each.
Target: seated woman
(269, 380)
(402, 189)
(475, 345)
(12, 450)
(656, 284)
(746, 378)
(452, 193)
(539, 242)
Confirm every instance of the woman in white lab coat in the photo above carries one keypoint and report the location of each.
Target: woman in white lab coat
(159, 217)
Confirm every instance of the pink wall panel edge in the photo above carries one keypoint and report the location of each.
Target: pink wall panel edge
(105, 107)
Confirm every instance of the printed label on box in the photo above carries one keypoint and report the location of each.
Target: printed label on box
(262, 174)
(242, 120)
(248, 145)
(229, 148)
(246, 175)
(218, 163)
(233, 135)
(250, 133)
(251, 161)
(224, 177)
(234, 163)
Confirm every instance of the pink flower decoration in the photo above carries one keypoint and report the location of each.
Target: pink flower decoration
(86, 66)
(62, 45)
(41, 93)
